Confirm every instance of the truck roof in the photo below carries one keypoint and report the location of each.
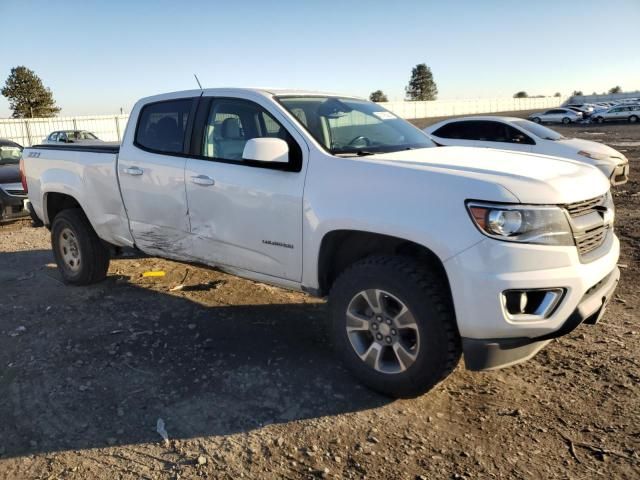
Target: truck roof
(222, 91)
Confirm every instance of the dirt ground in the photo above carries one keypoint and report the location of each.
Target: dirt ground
(244, 380)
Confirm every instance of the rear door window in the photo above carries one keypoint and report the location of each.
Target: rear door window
(162, 126)
(450, 130)
(483, 131)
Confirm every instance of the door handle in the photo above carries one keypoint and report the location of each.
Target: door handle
(203, 180)
(132, 171)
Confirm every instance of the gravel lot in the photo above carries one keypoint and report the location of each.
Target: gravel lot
(243, 377)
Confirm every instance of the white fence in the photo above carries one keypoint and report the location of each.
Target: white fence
(449, 108)
(110, 128)
(31, 131)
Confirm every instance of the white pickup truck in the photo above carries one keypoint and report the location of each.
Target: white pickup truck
(424, 253)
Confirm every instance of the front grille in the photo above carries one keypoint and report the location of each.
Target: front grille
(16, 193)
(589, 230)
(586, 206)
(592, 239)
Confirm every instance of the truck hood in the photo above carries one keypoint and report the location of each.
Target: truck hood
(577, 144)
(532, 178)
(9, 174)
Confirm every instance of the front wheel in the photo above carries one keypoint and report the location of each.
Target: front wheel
(566, 120)
(537, 119)
(600, 120)
(633, 119)
(81, 256)
(393, 325)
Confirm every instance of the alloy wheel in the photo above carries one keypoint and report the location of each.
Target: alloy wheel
(382, 331)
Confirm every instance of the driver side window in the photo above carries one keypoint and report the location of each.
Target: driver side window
(231, 123)
(516, 136)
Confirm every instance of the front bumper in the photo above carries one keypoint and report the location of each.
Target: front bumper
(479, 275)
(490, 354)
(11, 204)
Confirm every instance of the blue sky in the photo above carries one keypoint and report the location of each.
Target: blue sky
(98, 56)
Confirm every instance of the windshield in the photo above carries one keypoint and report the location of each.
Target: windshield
(356, 127)
(10, 155)
(538, 130)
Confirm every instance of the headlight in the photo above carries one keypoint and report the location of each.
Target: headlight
(522, 223)
(610, 214)
(593, 155)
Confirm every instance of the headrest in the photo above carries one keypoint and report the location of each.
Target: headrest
(231, 128)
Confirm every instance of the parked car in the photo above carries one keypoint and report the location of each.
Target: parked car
(71, 136)
(584, 108)
(629, 113)
(584, 113)
(510, 133)
(424, 253)
(557, 115)
(12, 193)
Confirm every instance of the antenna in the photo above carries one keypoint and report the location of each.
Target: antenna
(199, 84)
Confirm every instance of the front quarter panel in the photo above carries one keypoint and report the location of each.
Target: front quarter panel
(422, 205)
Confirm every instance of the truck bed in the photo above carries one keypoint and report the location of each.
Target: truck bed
(87, 174)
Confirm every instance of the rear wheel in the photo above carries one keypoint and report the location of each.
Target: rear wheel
(600, 119)
(537, 119)
(566, 120)
(393, 325)
(633, 119)
(81, 256)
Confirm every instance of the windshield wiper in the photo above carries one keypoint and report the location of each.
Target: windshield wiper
(359, 153)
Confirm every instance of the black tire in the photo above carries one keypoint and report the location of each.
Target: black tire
(600, 119)
(92, 255)
(566, 120)
(537, 119)
(633, 119)
(426, 295)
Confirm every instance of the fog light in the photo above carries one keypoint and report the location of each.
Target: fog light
(529, 305)
(523, 301)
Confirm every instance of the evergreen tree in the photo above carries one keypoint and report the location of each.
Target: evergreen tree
(28, 97)
(421, 85)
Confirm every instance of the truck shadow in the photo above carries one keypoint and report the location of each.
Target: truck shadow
(90, 367)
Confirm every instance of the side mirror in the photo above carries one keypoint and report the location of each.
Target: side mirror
(266, 149)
